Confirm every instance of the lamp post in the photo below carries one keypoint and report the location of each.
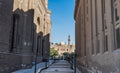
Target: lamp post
(46, 59)
(36, 60)
(45, 52)
(75, 62)
(36, 57)
(46, 64)
(45, 41)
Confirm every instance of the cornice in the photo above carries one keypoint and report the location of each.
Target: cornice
(48, 12)
(76, 8)
(46, 9)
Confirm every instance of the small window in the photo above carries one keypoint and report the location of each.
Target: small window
(98, 46)
(87, 9)
(118, 37)
(106, 43)
(38, 21)
(116, 15)
(92, 50)
(105, 24)
(85, 52)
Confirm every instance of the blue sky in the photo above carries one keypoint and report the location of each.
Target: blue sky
(62, 20)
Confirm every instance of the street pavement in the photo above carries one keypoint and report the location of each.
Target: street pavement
(40, 66)
(61, 66)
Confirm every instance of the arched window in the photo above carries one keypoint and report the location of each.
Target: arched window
(38, 21)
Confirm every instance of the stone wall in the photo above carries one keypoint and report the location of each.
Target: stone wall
(10, 62)
(96, 49)
(5, 24)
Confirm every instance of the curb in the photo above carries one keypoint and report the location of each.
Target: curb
(45, 68)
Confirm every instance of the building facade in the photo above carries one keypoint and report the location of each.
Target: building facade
(64, 48)
(27, 24)
(97, 36)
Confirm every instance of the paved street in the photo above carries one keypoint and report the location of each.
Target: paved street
(59, 67)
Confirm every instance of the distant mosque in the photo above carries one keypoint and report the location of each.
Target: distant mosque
(63, 47)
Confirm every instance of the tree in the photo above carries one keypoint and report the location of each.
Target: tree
(53, 53)
(65, 54)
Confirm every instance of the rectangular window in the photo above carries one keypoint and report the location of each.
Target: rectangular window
(118, 37)
(105, 24)
(104, 6)
(87, 9)
(112, 11)
(106, 43)
(92, 42)
(15, 38)
(85, 52)
(116, 15)
(93, 50)
(98, 47)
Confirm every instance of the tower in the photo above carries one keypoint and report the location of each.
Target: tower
(69, 40)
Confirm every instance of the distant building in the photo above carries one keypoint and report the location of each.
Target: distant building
(97, 34)
(25, 26)
(62, 47)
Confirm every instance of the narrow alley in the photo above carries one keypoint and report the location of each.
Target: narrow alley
(59, 36)
(61, 66)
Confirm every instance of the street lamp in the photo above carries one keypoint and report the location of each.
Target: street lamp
(75, 62)
(46, 59)
(45, 52)
(36, 57)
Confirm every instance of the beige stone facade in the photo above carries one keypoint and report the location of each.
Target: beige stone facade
(26, 28)
(98, 35)
(62, 47)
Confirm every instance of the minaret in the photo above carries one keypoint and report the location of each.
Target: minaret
(69, 40)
